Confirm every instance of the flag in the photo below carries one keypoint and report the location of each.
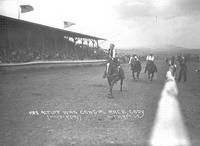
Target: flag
(26, 8)
(68, 24)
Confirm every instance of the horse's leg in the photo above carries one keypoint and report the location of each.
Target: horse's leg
(110, 91)
(148, 75)
(112, 81)
(133, 73)
(145, 70)
(109, 82)
(106, 70)
(121, 83)
(152, 75)
(138, 74)
(110, 88)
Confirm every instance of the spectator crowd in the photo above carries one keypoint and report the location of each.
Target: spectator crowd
(74, 53)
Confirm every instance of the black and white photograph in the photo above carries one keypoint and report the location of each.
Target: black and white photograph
(99, 73)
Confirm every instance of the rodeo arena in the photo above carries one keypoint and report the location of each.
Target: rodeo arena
(61, 88)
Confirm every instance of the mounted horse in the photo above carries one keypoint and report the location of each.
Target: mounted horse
(135, 67)
(172, 66)
(151, 69)
(114, 73)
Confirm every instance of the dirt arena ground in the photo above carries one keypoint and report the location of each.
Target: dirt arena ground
(69, 106)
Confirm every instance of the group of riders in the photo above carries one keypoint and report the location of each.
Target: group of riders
(173, 67)
(114, 71)
(150, 68)
(136, 66)
(134, 63)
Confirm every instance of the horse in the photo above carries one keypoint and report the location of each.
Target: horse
(136, 68)
(114, 73)
(172, 66)
(151, 69)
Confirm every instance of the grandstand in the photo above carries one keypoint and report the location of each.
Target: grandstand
(22, 41)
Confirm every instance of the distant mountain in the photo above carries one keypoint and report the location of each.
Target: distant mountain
(165, 49)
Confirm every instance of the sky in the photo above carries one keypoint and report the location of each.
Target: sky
(126, 23)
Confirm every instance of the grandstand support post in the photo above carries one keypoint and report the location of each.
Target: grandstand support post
(66, 40)
(88, 48)
(85, 51)
(28, 39)
(97, 43)
(82, 42)
(43, 46)
(93, 43)
(88, 43)
(55, 44)
(75, 50)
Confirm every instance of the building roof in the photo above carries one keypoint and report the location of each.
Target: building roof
(65, 32)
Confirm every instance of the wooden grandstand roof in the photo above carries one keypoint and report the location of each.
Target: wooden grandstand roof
(65, 32)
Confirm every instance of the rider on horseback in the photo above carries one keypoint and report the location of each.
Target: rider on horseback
(133, 58)
(114, 71)
(111, 59)
(183, 68)
(111, 51)
(135, 66)
(172, 66)
(149, 58)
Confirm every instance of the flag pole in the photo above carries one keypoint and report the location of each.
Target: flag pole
(19, 11)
